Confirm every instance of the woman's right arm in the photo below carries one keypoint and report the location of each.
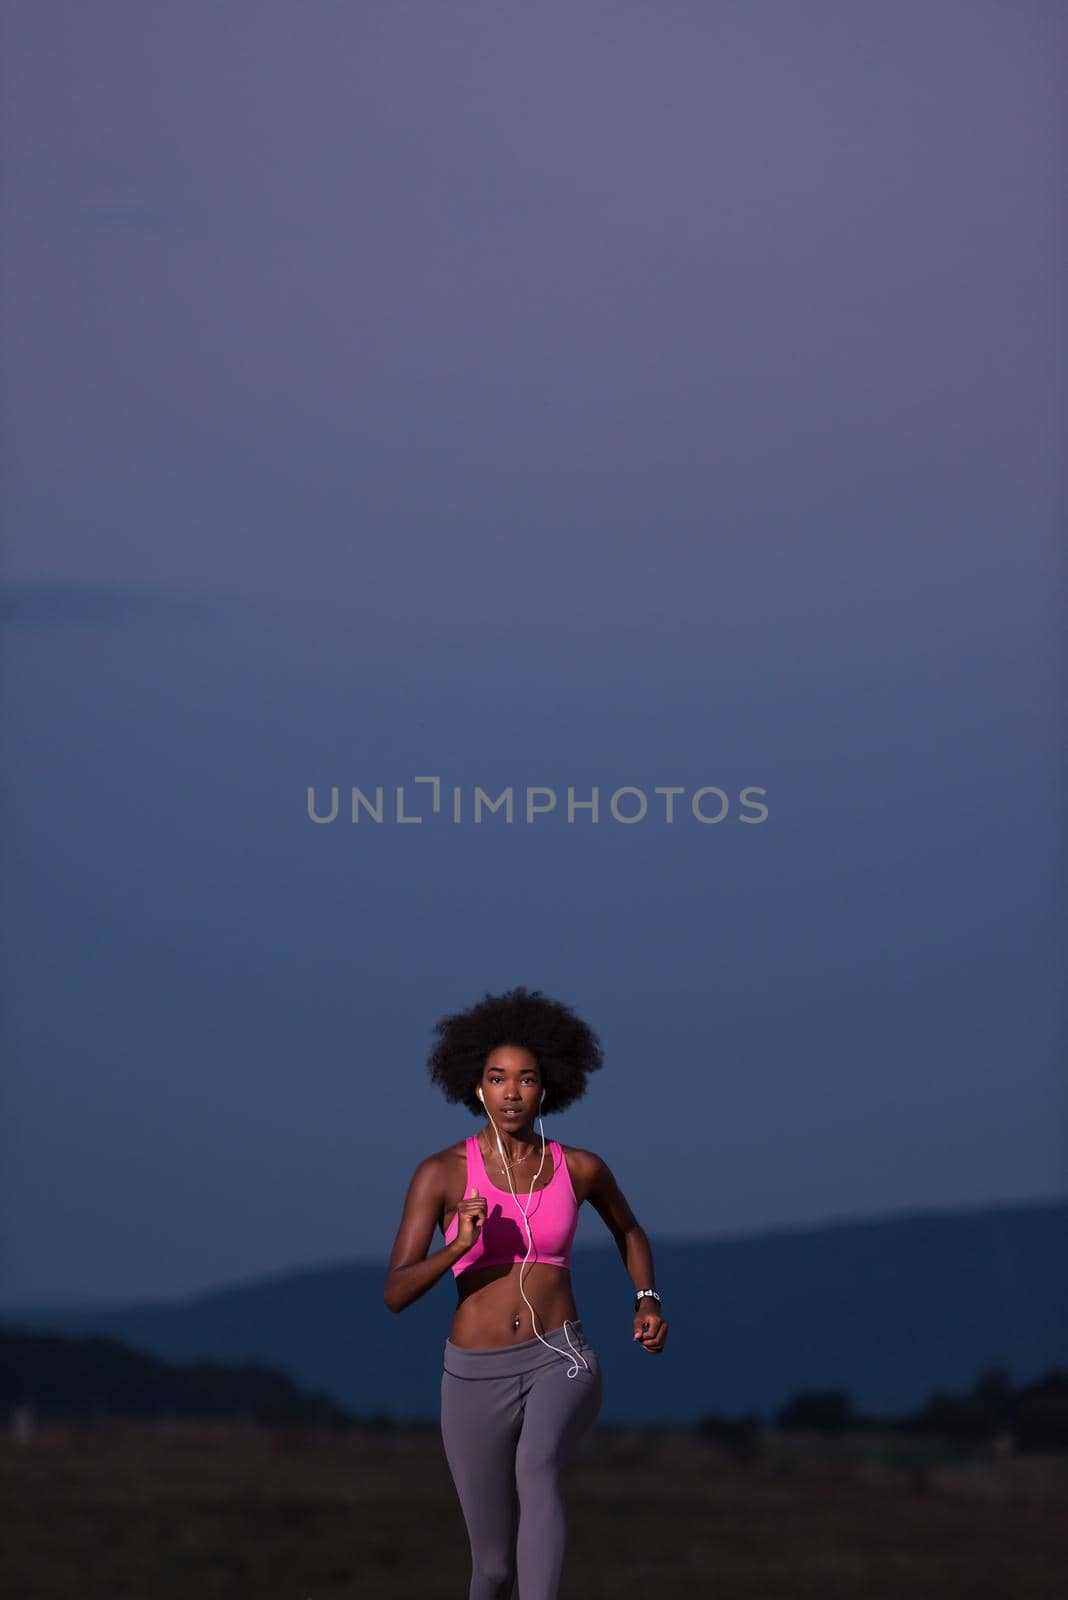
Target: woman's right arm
(411, 1271)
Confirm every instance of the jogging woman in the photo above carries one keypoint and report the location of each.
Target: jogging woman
(521, 1384)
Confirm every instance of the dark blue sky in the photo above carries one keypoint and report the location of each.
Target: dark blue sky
(578, 395)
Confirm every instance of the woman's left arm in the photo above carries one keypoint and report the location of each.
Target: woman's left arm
(632, 1242)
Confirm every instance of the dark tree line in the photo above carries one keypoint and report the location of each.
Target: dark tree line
(1033, 1416)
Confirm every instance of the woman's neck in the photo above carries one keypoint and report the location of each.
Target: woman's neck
(514, 1149)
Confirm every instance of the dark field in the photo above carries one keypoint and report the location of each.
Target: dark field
(200, 1513)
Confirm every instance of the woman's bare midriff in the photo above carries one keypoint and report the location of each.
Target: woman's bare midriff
(491, 1311)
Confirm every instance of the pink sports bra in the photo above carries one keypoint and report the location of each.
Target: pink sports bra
(552, 1213)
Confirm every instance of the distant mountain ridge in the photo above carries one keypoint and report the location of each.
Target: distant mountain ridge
(95, 1376)
(887, 1309)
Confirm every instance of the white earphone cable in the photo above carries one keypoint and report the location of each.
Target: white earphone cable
(530, 1245)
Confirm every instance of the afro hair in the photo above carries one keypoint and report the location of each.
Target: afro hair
(564, 1047)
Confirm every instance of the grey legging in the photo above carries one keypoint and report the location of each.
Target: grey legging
(510, 1418)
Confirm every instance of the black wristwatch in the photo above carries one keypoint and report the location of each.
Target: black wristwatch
(646, 1294)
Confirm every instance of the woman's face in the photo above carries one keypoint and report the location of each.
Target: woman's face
(511, 1088)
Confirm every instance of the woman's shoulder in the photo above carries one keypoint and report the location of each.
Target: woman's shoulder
(594, 1180)
(582, 1165)
(577, 1155)
(448, 1153)
(440, 1163)
(447, 1161)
